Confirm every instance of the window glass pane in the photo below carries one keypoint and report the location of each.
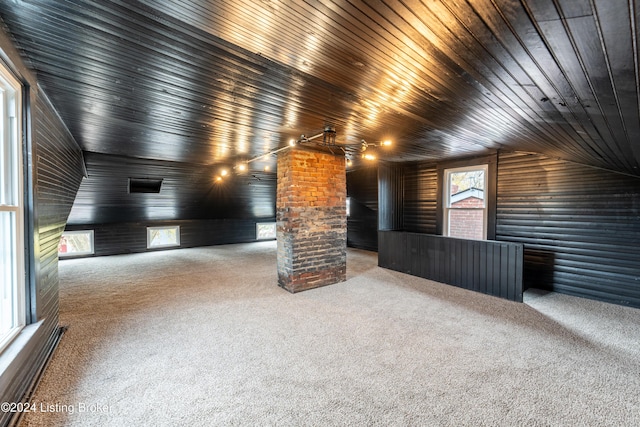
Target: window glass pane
(7, 273)
(158, 237)
(5, 157)
(76, 243)
(466, 189)
(12, 309)
(9, 155)
(265, 230)
(465, 203)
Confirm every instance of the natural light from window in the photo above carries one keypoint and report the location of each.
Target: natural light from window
(76, 243)
(465, 204)
(163, 237)
(265, 230)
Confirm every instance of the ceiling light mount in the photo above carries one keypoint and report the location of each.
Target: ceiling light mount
(364, 144)
(329, 136)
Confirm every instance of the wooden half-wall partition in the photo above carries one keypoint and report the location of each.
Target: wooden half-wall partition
(486, 266)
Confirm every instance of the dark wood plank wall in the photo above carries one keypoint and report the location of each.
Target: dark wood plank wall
(421, 198)
(489, 267)
(362, 223)
(131, 237)
(54, 168)
(59, 173)
(580, 226)
(391, 196)
(188, 191)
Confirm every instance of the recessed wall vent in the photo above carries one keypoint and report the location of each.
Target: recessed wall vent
(144, 185)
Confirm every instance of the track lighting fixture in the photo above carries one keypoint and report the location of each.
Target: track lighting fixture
(369, 155)
(364, 144)
(363, 150)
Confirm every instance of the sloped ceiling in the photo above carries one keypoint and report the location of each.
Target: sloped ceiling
(208, 83)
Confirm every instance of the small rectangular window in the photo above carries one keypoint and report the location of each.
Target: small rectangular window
(76, 243)
(348, 206)
(163, 237)
(265, 230)
(465, 207)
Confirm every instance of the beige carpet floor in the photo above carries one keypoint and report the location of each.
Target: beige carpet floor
(205, 337)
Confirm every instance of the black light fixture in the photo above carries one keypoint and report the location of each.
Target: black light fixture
(369, 155)
(329, 136)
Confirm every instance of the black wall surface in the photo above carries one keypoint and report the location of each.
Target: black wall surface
(362, 223)
(580, 226)
(188, 191)
(420, 198)
(54, 169)
(131, 237)
(59, 171)
(485, 266)
(208, 212)
(391, 196)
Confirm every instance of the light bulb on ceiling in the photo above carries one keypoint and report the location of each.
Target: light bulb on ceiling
(224, 172)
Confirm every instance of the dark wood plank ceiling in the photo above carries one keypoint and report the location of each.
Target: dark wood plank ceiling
(208, 83)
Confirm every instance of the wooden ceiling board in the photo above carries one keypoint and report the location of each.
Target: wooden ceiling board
(559, 94)
(562, 137)
(383, 46)
(576, 45)
(205, 83)
(513, 55)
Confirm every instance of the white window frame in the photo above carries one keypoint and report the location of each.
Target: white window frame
(447, 197)
(12, 282)
(258, 224)
(167, 245)
(91, 250)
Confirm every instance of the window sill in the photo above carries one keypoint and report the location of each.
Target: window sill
(15, 353)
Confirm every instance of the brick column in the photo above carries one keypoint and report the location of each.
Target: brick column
(311, 219)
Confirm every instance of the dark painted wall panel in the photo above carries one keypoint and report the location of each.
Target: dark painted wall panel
(188, 191)
(390, 196)
(489, 267)
(421, 195)
(53, 169)
(580, 226)
(123, 238)
(362, 223)
(59, 170)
